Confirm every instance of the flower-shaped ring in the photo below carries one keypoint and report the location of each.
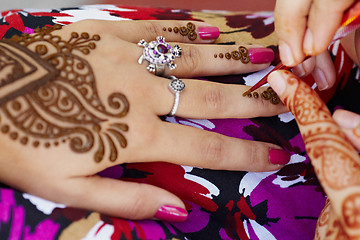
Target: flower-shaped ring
(159, 53)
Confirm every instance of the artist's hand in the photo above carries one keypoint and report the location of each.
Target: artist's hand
(332, 153)
(306, 27)
(103, 108)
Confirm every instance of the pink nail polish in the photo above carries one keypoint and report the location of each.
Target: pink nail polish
(208, 32)
(171, 214)
(278, 156)
(261, 55)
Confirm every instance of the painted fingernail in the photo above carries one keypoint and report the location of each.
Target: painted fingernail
(286, 54)
(261, 55)
(208, 32)
(171, 214)
(320, 79)
(279, 157)
(277, 82)
(308, 42)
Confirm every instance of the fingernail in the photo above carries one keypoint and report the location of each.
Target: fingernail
(208, 32)
(278, 156)
(299, 70)
(277, 82)
(171, 214)
(320, 79)
(286, 54)
(308, 42)
(261, 55)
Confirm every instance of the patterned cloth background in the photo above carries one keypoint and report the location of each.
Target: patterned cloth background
(222, 204)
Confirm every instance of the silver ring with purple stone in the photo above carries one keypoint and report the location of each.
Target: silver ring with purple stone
(159, 54)
(176, 86)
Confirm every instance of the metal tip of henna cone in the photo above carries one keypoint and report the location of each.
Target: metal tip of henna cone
(247, 93)
(263, 81)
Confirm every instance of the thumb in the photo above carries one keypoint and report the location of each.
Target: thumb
(124, 199)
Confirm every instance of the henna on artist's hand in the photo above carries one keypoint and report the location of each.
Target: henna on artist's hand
(336, 162)
(60, 82)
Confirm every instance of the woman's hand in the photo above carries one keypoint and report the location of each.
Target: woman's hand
(336, 162)
(83, 103)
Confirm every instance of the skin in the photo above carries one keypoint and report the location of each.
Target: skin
(63, 173)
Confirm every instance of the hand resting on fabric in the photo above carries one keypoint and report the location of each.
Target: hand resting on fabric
(75, 101)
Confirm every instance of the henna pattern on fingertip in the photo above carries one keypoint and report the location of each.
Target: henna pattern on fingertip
(269, 95)
(189, 30)
(63, 106)
(241, 54)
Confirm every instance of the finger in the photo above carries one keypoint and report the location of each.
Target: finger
(290, 25)
(350, 125)
(205, 60)
(321, 29)
(210, 100)
(172, 30)
(336, 162)
(322, 69)
(123, 199)
(304, 68)
(217, 60)
(324, 72)
(191, 146)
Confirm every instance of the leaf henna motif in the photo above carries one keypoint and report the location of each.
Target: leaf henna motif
(61, 105)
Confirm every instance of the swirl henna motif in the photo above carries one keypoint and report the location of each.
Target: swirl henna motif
(189, 30)
(60, 104)
(242, 55)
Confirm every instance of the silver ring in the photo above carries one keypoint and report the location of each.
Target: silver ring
(176, 86)
(159, 53)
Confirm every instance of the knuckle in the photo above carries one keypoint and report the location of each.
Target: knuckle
(152, 29)
(191, 60)
(215, 99)
(213, 151)
(141, 195)
(93, 24)
(253, 155)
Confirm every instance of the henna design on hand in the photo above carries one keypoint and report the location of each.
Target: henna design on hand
(242, 54)
(188, 30)
(333, 157)
(62, 104)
